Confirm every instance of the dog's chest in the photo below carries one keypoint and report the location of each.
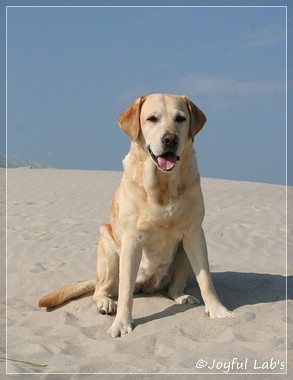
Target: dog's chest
(157, 217)
(161, 229)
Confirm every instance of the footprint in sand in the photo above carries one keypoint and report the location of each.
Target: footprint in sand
(67, 221)
(45, 267)
(72, 320)
(36, 235)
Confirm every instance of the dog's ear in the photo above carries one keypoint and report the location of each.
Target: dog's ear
(129, 120)
(197, 117)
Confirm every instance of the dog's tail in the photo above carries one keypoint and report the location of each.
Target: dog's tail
(61, 295)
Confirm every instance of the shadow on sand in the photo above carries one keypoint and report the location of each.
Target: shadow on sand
(235, 290)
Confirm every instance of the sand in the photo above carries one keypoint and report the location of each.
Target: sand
(52, 234)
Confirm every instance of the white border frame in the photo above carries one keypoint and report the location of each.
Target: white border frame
(286, 184)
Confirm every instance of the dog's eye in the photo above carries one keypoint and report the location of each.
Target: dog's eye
(152, 118)
(179, 118)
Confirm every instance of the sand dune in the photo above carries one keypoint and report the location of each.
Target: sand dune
(53, 220)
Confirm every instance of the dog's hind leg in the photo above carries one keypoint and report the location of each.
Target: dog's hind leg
(107, 272)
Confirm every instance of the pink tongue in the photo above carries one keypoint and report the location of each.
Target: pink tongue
(167, 161)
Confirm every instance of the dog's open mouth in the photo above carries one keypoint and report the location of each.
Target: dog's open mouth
(166, 161)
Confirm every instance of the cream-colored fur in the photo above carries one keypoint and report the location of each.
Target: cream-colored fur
(154, 240)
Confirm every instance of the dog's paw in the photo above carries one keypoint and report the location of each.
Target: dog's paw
(106, 306)
(187, 299)
(120, 327)
(217, 310)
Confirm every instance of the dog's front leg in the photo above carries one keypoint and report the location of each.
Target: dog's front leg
(130, 257)
(195, 246)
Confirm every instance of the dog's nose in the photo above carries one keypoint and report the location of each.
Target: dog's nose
(170, 140)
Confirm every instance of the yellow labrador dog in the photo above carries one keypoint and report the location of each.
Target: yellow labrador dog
(155, 239)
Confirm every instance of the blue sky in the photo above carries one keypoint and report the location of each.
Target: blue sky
(72, 71)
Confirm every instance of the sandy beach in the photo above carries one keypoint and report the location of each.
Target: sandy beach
(53, 219)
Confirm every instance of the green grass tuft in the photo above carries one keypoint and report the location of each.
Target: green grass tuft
(35, 365)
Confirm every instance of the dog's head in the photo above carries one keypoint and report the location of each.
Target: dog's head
(163, 125)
